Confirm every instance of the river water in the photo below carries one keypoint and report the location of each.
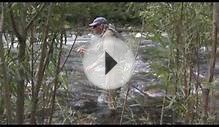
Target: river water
(82, 102)
(89, 100)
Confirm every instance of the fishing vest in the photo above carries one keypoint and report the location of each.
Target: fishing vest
(111, 31)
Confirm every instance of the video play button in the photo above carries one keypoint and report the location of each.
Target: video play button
(108, 63)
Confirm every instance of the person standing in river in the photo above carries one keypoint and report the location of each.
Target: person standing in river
(103, 29)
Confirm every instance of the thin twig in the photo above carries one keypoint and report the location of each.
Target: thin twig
(56, 80)
(124, 103)
(66, 58)
(41, 68)
(69, 51)
(162, 110)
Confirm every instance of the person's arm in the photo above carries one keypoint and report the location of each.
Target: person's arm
(98, 61)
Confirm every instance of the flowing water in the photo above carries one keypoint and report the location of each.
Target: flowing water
(88, 99)
(86, 103)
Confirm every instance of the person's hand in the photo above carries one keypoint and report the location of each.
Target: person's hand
(81, 50)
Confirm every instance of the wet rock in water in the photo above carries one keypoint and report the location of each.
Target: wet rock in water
(106, 116)
(86, 106)
(141, 66)
(102, 98)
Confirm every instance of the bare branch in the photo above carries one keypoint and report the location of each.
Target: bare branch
(69, 51)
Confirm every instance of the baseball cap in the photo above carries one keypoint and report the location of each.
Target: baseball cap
(98, 20)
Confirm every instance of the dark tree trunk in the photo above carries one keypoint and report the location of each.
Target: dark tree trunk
(5, 82)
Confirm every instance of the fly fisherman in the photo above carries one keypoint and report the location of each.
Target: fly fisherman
(103, 29)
